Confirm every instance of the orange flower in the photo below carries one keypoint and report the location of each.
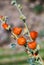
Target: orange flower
(32, 45)
(5, 25)
(1, 17)
(21, 41)
(33, 35)
(17, 30)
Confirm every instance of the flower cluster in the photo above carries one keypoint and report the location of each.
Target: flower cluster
(30, 44)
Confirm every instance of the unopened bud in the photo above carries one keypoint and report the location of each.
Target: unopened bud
(23, 18)
(13, 2)
(20, 6)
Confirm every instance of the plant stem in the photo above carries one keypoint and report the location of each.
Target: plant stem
(28, 31)
(23, 21)
(21, 14)
(41, 59)
(14, 35)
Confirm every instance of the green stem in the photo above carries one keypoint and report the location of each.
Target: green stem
(23, 21)
(28, 31)
(25, 26)
(14, 35)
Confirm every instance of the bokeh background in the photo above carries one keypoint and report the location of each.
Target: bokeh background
(17, 55)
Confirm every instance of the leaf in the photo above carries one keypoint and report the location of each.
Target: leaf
(31, 61)
(13, 45)
(38, 8)
(41, 33)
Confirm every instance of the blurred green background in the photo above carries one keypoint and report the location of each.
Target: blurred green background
(8, 58)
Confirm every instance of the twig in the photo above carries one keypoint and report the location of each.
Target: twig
(24, 20)
(23, 17)
(14, 35)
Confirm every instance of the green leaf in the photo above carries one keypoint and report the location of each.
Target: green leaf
(41, 33)
(38, 8)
